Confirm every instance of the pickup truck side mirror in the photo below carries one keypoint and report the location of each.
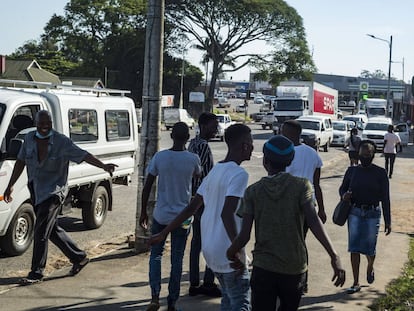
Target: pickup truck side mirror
(14, 147)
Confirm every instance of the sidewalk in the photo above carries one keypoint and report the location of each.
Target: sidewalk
(118, 280)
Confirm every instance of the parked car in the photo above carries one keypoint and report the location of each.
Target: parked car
(341, 132)
(240, 108)
(259, 100)
(223, 102)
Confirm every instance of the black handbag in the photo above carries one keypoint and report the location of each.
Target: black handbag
(341, 212)
(342, 209)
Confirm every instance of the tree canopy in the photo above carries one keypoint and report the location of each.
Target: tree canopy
(222, 27)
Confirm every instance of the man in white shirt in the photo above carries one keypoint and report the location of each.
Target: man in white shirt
(220, 192)
(391, 140)
(307, 164)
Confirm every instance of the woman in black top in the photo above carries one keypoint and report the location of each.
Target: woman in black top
(365, 186)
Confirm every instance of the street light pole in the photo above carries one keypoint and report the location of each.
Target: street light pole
(389, 67)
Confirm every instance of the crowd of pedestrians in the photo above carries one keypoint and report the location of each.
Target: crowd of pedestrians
(213, 201)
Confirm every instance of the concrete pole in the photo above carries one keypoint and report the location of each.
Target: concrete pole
(151, 109)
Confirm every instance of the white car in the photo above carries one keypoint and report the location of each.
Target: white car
(375, 130)
(341, 132)
(224, 121)
(316, 131)
(240, 108)
(403, 130)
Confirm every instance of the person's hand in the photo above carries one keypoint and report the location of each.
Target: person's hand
(234, 257)
(347, 196)
(143, 220)
(322, 215)
(110, 168)
(156, 238)
(339, 273)
(7, 195)
(387, 229)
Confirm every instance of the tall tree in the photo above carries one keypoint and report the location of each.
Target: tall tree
(377, 74)
(223, 27)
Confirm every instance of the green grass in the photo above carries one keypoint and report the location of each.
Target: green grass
(400, 292)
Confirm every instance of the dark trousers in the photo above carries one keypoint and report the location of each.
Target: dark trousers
(46, 227)
(389, 162)
(268, 286)
(195, 254)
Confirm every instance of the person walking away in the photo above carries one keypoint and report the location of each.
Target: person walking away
(365, 186)
(352, 142)
(175, 168)
(207, 123)
(307, 164)
(220, 193)
(46, 154)
(279, 204)
(391, 141)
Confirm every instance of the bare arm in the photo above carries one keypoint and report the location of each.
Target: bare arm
(90, 159)
(17, 171)
(241, 239)
(318, 195)
(190, 210)
(227, 216)
(143, 218)
(319, 232)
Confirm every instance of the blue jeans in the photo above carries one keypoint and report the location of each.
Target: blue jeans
(178, 242)
(235, 288)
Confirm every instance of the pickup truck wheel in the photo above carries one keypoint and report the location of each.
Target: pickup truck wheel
(19, 235)
(222, 138)
(264, 126)
(167, 127)
(94, 215)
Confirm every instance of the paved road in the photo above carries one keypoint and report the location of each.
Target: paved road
(126, 286)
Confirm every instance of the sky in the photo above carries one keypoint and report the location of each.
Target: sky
(335, 31)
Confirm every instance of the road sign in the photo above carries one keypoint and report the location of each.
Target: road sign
(363, 86)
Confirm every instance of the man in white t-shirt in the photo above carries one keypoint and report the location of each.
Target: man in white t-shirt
(307, 163)
(391, 140)
(220, 192)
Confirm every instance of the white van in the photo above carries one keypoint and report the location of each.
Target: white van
(174, 115)
(97, 121)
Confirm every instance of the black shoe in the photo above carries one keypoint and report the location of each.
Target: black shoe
(304, 289)
(77, 267)
(30, 280)
(210, 290)
(390, 176)
(194, 291)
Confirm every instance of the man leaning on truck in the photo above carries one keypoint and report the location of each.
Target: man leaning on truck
(47, 153)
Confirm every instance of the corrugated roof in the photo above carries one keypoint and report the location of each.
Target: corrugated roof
(28, 70)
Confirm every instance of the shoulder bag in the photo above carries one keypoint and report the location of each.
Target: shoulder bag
(342, 209)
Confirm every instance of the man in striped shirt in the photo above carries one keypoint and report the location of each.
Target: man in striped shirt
(207, 123)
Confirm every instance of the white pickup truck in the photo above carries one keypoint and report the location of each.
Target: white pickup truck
(268, 119)
(224, 121)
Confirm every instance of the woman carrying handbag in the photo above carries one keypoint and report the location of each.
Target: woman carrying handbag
(370, 186)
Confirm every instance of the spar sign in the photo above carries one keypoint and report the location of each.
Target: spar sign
(323, 103)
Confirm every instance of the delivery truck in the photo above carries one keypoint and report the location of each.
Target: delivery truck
(304, 98)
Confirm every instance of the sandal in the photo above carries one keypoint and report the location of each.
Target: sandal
(371, 277)
(77, 267)
(153, 306)
(353, 289)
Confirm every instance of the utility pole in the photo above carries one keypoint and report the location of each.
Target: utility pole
(151, 109)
